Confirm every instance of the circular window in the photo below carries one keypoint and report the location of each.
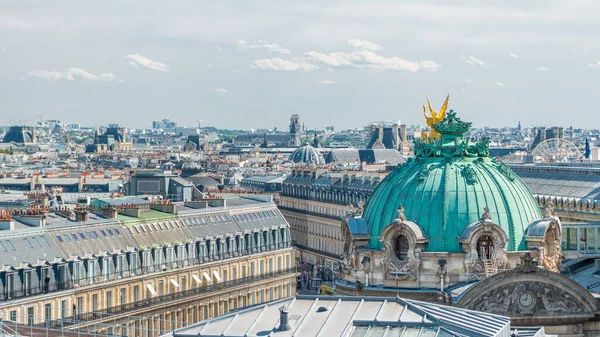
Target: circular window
(401, 246)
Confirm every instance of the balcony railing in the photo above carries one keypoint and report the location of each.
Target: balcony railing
(85, 317)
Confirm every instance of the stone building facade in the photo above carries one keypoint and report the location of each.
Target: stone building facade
(314, 200)
(142, 272)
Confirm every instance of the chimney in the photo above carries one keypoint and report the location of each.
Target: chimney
(6, 221)
(81, 215)
(110, 212)
(284, 323)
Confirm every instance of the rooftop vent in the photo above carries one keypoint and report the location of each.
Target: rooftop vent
(321, 309)
(284, 324)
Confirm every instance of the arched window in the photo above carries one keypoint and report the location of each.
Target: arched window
(401, 246)
(485, 248)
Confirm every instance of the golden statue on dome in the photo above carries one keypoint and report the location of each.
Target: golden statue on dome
(433, 118)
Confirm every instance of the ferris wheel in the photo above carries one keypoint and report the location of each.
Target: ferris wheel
(556, 149)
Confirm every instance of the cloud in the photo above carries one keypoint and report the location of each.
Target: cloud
(222, 91)
(473, 61)
(541, 68)
(137, 61)
(362, 44)
(594, 65)
(72, 74)
(514, 56)
(326, 82)
(500, 84)
(364, 59)
(278, 64)
(261, 44)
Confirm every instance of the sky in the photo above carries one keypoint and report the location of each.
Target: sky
(253, 63)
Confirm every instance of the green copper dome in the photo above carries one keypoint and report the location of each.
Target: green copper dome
(446, 188)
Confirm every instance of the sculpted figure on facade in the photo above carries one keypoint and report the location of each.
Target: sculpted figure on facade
(366, 263)
(349, 257)
(361, 208)
(500, 260)
(401, 216)
(472, 263)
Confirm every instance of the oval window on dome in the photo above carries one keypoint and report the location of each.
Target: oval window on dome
(401, 246)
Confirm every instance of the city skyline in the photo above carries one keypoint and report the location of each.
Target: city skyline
(252, 65)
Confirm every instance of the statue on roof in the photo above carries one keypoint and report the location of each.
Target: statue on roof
(401, 215)
(434, 117)
(486, 214)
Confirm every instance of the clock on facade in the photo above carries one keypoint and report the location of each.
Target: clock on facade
(527, 300)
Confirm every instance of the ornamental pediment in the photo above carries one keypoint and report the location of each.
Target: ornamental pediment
(531, 295)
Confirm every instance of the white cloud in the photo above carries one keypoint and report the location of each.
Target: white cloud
(137, 61)
(594, 65)
(326, 82)
(261, 44)
(365, 59)
(541, 68)
(514, 56)
(473, 61)
(362, 44)
(222, 91)
(500, 84)
(72, 74)
(278, 64)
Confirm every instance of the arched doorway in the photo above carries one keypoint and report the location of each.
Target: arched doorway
(485, 248)
(401, 246)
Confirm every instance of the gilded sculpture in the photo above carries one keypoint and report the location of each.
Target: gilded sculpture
(434, 117)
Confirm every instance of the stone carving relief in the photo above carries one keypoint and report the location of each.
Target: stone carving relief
(472, 263)
(500, 260)
(349, 258)
(469, 174)
(402, 270)
(528, 297)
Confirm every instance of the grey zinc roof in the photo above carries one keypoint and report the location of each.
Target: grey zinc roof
(24, 246)
(560, 181)
(65, 238)
(333, 316)
(266, 179)
(93, 239)
(343, 156)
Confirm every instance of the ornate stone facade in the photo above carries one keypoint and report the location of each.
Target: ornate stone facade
(530, 295)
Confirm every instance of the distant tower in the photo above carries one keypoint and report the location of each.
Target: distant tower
(265, 144)
(519, 127)
(588, 151)
(295, 130)
(571, 132)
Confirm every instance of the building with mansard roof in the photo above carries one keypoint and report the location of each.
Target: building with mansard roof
(134, 267)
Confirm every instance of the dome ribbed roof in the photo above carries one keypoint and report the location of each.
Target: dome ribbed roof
(447, 187)
(307, 154)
